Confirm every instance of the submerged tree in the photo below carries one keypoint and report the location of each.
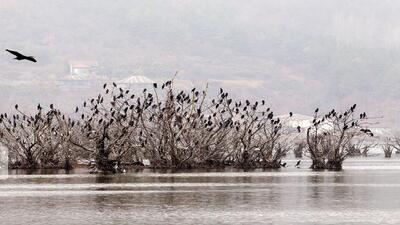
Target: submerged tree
(173, 129)
(330, 134)
(299, 149)
(35, 141)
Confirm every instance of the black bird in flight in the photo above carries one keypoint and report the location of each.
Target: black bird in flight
(19, 56)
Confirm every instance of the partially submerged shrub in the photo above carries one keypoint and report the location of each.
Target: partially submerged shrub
(395, 143)
(388, 149)
(174, 130)
(330, 134)
(359, 148)
(353, 150)
(299, 148)
(39, 140)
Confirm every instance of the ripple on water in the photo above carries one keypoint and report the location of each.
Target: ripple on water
(365, 192)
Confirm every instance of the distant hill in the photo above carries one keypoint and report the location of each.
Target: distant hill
(306, 53)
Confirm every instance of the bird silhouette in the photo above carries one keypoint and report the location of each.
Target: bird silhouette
(19, 56)
(298, 164)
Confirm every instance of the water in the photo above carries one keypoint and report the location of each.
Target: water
(367, 191)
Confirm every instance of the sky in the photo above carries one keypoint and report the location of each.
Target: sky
(297, 54)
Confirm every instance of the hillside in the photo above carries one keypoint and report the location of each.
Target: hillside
(300, 55)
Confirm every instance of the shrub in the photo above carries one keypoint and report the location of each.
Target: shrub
(330, 134)
(172, 129)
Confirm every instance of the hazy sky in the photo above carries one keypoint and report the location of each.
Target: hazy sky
(301, 54)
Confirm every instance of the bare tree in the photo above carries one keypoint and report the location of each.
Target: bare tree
(174, 129)
(330, 134)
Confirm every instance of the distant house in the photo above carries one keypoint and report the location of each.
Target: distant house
(83, 68)
(82, 75)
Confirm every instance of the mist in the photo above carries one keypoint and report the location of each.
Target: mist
(298, 55)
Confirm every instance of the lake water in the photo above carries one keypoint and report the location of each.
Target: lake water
(367, 191)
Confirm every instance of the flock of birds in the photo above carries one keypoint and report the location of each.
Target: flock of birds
(125, 105)
(181, 97)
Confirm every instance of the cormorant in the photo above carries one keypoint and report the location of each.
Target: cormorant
(19, 56)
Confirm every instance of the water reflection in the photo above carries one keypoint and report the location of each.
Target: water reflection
(229, 196)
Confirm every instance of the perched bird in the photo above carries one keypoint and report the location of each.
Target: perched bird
(298, 163)
(290, 114)
(353, 107)
(19, 56)
(298, 129)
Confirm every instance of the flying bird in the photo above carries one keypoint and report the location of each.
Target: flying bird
(19, 56)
